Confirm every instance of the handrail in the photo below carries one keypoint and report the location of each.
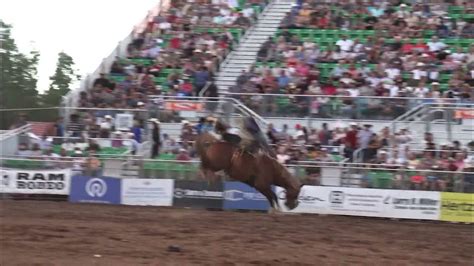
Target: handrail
(337, 165)
(450, 101)
(16, 131)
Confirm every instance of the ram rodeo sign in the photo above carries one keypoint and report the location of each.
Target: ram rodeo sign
(35, 182)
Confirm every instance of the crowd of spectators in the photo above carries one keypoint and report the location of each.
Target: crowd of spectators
(177, 54)
(315, 53)
(323, 50)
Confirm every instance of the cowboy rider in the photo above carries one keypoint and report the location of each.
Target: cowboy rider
(250, 138)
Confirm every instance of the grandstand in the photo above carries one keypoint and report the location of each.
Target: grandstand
(368, 103)
(313, 74)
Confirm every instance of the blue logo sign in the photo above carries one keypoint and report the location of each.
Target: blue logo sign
(243, 197)
(95, 189)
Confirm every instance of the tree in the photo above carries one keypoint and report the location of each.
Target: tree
(64, 76)
(18, 77)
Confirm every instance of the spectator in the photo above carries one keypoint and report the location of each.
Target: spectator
(183, 155)
(23, 151)
(156, 136)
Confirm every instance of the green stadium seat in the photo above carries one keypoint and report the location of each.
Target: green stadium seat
(381, 179)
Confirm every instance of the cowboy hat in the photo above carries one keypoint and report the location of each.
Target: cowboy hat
(154, 120)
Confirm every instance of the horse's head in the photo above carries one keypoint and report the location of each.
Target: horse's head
(290, 183)
(292, 197)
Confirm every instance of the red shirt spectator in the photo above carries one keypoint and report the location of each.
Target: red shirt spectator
(175, 43)
(329, 89)
(351, 137)
(323, 22)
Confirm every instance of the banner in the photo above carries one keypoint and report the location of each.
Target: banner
(239, 196)
(198, 194)
(464, 114)
(123, 121)
(35, 181)
(147, 192)
(95, 189)
(457, 207)
(409, 204)
(183, 106)
(312, 199)
(366, 202)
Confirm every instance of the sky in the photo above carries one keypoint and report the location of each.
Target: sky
(87, 30)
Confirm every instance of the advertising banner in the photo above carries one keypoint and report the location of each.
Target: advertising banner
(123, 121)
(35, 181)
(457, 207)
(95, 189)
(239, 196)
(366, 202)
(464, 114)
(198, 194)
(312, 199)
(410, 204)
(147, 192)
(183, 106)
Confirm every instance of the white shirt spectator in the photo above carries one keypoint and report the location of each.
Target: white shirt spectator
(248, 12)
(394, 89)
(282, 158)
(358, 48)
(364, 137)
(106, 125)
(458, 56)
(392, 73)
(436, 46)
(225, 12)
(44, 144)
(354, 92)
(345, 45)
(433, 75)
(164, 25)
(23, 153)
(421, 92)
(418, 74)
(374, 81)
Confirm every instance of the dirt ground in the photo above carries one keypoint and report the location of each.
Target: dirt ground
(61, 233)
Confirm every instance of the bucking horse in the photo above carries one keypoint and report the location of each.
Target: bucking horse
(257, 170)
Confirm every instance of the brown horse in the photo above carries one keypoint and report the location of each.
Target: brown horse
(259, 171)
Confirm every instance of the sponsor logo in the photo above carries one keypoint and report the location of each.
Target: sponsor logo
(425, 205)
(197, 194)
(336, 197)
(410, 201)
(40, 181)
(237, 195)
(96, 187)
(301, 197)
(6, 179)
(457, 206)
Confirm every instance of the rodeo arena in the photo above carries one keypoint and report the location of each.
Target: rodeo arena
(264, 132)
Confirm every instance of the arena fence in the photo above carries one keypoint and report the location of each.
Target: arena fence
(93, 187)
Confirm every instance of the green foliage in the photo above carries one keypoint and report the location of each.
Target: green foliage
(61, 81)
(18, 73)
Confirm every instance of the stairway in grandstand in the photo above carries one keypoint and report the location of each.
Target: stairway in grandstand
(246, 53)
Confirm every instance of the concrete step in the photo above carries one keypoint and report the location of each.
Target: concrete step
(244, 53)
(265, 31)
(225, 83)
(243, 56)
(258, 37)
(226, 78)
(248, 49)
(243, 45)
(233, 75)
